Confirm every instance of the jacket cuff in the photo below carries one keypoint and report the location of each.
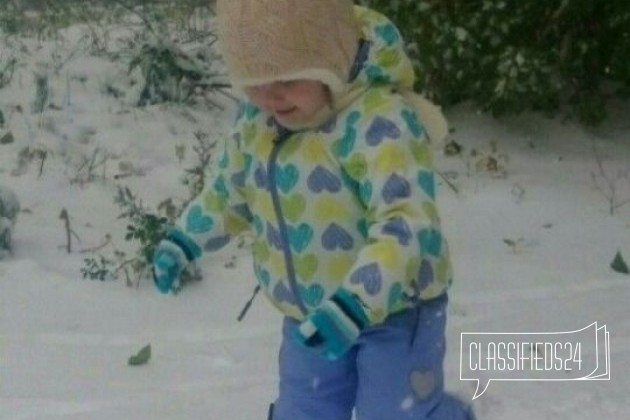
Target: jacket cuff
(351, 307)
(190, 249)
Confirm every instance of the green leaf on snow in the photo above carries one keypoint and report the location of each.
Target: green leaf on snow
(142, 357)
(619, 265)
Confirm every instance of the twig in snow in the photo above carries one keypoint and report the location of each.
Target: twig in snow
(449, 183)
(106, 241)
(86, 169)
(609, 189)
(43, 154)
(69, 232)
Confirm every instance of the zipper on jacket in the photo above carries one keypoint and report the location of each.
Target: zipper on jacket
(283, 135)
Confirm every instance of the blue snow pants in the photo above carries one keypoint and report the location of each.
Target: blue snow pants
(394, 372)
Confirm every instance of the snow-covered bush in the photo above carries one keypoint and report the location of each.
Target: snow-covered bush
(145, 227)
(7, 69)
(44, 18)
(509, 56)
(171, 74)
(9, 209)
(167, 44)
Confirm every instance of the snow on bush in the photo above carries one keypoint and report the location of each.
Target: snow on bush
(9, 209)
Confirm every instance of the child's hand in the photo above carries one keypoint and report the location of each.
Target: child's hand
(170, 257)
(335, 326)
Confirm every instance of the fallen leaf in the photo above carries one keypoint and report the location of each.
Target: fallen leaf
(619, 265)
(142, 357)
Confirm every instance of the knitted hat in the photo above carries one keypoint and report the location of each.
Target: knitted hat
(282, 40)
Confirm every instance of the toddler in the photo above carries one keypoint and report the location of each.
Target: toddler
(330, 167)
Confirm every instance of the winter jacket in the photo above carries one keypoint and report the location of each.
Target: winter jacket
(349, 204)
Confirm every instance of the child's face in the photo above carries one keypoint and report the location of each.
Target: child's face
(291, 103)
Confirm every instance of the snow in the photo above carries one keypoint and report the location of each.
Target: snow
(65, 341)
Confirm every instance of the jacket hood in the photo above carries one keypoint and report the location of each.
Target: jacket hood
(381, 58)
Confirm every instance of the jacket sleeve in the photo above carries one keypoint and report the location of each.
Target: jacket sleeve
(405, 256)
(220, 211)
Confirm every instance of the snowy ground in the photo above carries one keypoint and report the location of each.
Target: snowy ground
(65, 341)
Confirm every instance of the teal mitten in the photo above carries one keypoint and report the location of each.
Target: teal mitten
(335, 326)
(170, 257)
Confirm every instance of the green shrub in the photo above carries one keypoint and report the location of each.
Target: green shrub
(510, 56)
(173, 75)
(145, 227)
